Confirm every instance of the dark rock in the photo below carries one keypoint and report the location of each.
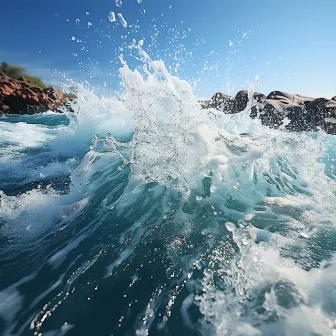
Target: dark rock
(4, 107)
(36, 89)
(204, 103)
(6, 90)
(230, 105)
(242, 99)
(288, 98)
(301, 113)
(282, 97)
(53, 93)
(270, 113)
(259, 97)
(223, 102)
(329, 125)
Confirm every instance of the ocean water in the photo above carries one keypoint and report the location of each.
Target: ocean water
(146, 215)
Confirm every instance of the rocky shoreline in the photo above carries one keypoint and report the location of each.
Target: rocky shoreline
(293, 111)
(21, 97)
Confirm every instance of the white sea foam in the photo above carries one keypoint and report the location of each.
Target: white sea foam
(18, 137)
(266, 294)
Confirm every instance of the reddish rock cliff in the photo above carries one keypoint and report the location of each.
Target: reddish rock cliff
(18, 96)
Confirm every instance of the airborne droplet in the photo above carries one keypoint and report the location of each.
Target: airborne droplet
(122, 20)
(112, 17)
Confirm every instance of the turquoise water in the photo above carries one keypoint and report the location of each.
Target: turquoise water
(148, 215)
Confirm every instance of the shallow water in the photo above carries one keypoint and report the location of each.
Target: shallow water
(148, 215)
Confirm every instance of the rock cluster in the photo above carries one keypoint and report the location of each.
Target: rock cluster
(18, 96)
(295, 112)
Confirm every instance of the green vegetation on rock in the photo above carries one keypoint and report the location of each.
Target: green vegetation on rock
(19, 73)
(35, 81)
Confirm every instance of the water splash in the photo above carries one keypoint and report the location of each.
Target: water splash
(225, 209)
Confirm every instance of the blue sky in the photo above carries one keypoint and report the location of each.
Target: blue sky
(217, 45)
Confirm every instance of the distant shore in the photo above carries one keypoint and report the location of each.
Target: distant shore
(292, 111)
(23, 93)
(278, 109)
(21, 97)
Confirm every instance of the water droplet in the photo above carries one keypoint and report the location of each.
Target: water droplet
(87, 13)
(199, 198)
(230, 43)
(73, 38)
(89, 24)
(170, 7)
(118, 3)
(139, 1)
(230, 226)
(112, 17)
(122, 20)
(77, 21)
